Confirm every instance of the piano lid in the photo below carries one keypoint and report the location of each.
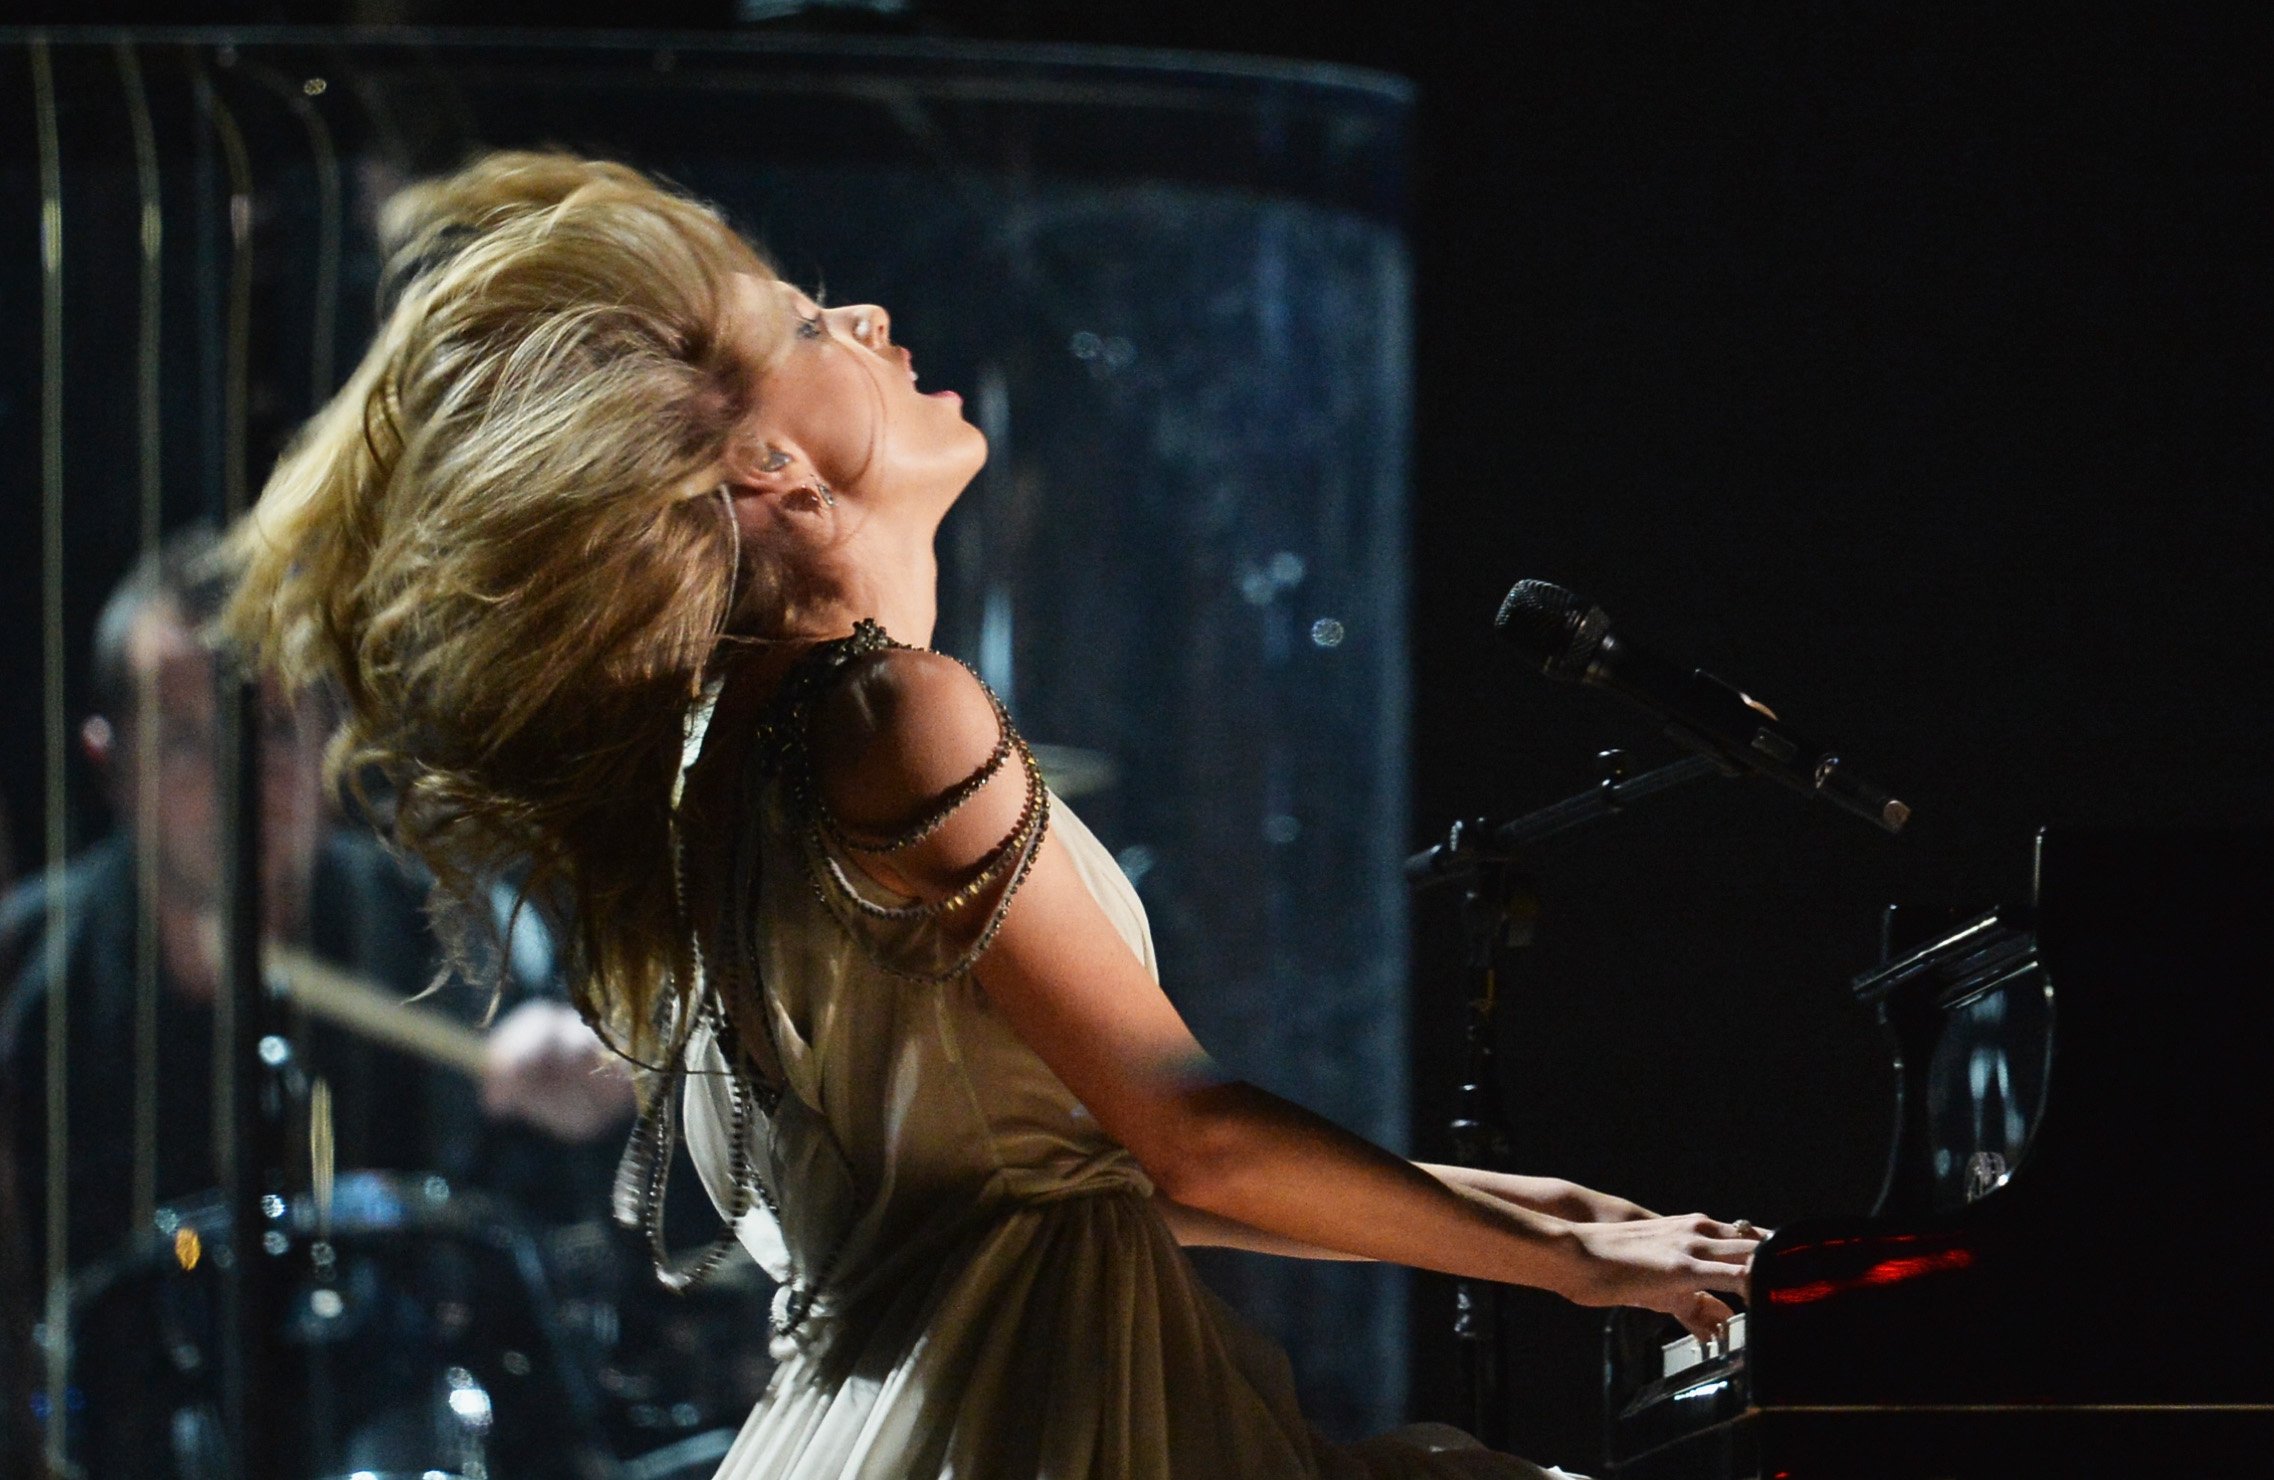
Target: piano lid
(1970, 1023)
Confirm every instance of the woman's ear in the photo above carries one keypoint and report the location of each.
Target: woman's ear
(783, 474)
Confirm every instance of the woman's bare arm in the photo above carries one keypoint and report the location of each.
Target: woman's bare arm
(1196, 1229)
(911, 727)
(1550, 1195)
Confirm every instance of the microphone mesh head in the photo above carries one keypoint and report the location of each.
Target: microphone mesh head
(1555, 631)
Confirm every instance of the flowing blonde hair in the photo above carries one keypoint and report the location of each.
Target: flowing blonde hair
(487, 543)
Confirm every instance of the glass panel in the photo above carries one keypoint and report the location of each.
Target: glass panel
(1172, 290)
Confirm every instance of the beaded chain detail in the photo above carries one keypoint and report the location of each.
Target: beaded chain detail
(1011, 862)
(643, 1174)
(780, 749)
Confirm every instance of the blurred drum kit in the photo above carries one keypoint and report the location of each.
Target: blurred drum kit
(427, 1330)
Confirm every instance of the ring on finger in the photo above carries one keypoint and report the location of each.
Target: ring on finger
(1744, 1227)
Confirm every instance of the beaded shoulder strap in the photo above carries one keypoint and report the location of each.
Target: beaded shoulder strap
(827, 840)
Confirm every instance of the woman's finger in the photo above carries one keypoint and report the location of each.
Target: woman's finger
(1727, 1250)
(1716, 1276)
(1714, 1228)
(1702, 1316)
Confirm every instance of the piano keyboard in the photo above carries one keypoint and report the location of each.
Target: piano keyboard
(1688, 1352)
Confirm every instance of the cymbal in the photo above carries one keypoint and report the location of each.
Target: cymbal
(1072, 771)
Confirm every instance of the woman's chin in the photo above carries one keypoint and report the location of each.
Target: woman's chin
(979, 451)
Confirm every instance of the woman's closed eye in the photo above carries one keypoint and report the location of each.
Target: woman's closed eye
(812, 328)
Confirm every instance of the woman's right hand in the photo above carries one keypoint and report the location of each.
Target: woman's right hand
(1672, 1265)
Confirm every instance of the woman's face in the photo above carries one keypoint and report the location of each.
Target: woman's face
(841, 398)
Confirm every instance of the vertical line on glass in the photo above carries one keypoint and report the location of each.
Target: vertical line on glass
(145, 757)
(52, 716)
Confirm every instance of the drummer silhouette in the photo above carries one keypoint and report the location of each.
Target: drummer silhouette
(330, 889)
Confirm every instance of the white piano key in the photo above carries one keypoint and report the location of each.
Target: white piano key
(1688, 1352)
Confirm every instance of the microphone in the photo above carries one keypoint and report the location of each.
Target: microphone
(1571, 641)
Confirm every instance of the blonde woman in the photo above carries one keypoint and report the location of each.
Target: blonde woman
(619, 549)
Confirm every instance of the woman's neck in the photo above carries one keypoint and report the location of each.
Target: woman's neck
(906, 601)
(892, 579)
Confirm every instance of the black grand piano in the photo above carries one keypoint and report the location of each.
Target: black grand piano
(2070, 1269)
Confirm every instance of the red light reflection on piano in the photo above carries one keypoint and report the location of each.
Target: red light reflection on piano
(1861, 1238)
(1885, 1272)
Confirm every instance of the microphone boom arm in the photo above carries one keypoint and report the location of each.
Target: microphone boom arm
(1472, 845)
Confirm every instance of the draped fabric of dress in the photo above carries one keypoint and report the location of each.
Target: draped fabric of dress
(992, 1292)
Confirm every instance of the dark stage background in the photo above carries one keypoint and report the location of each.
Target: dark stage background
(1904, 365)
(1907, 366)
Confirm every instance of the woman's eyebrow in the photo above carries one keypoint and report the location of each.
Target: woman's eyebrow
(791, 292)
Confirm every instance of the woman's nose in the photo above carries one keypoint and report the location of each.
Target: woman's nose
(872, 326)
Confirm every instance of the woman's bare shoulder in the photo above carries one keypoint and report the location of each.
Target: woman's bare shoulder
(903, 729)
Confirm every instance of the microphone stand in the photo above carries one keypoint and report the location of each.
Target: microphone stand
(1476, 843)
(1499, 910)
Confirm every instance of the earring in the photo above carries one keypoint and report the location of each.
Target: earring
(828, 495)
